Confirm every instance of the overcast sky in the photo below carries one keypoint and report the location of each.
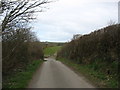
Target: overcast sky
(64, 18)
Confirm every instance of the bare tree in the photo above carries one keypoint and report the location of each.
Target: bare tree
(19, 11)
(15, 16)
(16, 35)
(111, 22)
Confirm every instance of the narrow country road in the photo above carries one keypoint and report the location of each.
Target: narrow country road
(54, 74)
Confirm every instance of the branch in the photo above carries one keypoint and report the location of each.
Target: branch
(23, 8)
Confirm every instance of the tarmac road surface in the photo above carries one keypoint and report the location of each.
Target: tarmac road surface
(54, 74)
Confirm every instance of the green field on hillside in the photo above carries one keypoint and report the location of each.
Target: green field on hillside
(51, 50)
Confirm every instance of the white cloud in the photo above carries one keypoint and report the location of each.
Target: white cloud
(68, 17)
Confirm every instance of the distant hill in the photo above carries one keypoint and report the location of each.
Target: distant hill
(52, 44)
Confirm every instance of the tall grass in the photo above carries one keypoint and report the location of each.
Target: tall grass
(20, 79)
(98, 78)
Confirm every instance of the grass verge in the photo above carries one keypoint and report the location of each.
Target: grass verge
(51, 50)
(21, 79)
(98, 78)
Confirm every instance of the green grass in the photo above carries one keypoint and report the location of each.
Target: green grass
(98, 78)
(51, 50)
(21, 79)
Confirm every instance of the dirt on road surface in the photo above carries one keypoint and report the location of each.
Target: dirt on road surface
(54, 74)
